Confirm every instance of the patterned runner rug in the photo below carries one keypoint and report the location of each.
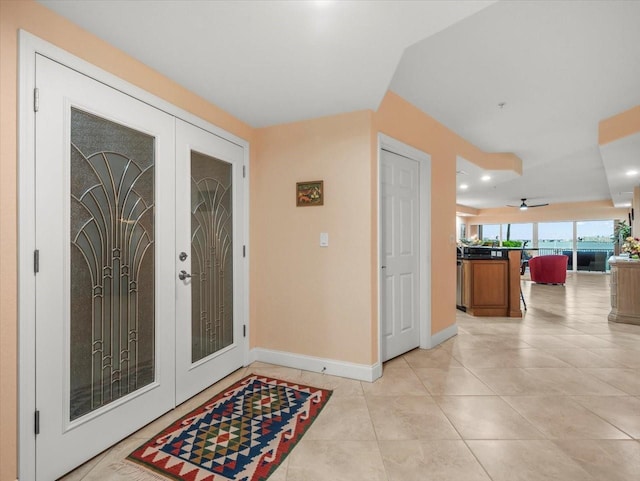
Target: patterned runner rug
(241, 434)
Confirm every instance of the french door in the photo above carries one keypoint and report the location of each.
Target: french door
(208, 219)
(116, 342)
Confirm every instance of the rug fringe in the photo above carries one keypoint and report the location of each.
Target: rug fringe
(134, 472)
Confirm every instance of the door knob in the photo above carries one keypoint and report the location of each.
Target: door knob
(183, 275)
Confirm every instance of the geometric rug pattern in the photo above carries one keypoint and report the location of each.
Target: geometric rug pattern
(242, 433)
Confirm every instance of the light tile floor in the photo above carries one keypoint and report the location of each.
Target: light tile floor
(552, 396)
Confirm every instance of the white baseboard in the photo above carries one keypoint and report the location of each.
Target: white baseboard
(441, 336)
(360, 372)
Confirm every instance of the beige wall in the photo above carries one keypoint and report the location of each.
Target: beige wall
(38, 20)
(594, 210)
(325, 304)
(305, 298)
(401, 120)
(465, 210)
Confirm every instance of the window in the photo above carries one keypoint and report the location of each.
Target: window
(518, 232)
(490, 231)
(589, 250)
(595, 244)
(555, 237)
(595, 234)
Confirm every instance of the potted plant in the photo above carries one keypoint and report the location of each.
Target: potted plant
(621, 231)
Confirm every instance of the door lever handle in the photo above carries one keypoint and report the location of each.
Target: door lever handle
(383, 267)
(183, 275)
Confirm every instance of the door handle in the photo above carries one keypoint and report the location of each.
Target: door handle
(183, 275)
(383, 267)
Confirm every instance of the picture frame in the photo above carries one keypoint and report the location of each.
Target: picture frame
(310, 193)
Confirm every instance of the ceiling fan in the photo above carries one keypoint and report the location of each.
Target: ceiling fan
(525, 206)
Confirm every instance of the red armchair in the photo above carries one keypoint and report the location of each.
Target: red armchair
(550, 269)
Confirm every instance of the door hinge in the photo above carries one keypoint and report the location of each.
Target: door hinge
(244, 251)
(36, 422)
(36, 99)
(244, 330)
(36, 261)
(244, 171)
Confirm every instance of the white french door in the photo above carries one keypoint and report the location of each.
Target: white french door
(119, 338)
(209, 219)
(104, 233)
(400, 254)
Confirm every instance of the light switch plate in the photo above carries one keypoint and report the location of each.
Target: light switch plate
(324, 239)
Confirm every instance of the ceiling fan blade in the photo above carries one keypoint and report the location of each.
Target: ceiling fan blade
(524, 205)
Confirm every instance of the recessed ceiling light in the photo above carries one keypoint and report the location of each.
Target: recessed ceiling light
(464, 186)
(486, 177)
(632, 172)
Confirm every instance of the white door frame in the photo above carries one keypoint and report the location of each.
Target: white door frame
(424, 283)
(29, 45)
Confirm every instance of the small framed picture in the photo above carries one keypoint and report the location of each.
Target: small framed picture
(309, 193)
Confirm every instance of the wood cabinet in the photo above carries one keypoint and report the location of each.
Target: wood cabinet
(625, 291)
(486, 287)
(492, 287)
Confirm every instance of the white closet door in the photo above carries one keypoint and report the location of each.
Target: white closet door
(400, 278)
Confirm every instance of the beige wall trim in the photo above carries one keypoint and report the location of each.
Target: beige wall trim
(560, 212)
(619, 126)
(465, 210)
(360, 372)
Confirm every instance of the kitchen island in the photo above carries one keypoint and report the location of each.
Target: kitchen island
(490, 281)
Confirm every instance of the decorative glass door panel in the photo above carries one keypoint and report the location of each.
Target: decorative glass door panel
(209, 189)
(211, 256)
(112, 262)
(104, 292)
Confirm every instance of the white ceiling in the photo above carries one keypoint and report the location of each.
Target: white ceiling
(475, 183)
(561, 67)
(622, 163)
(270, 62)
